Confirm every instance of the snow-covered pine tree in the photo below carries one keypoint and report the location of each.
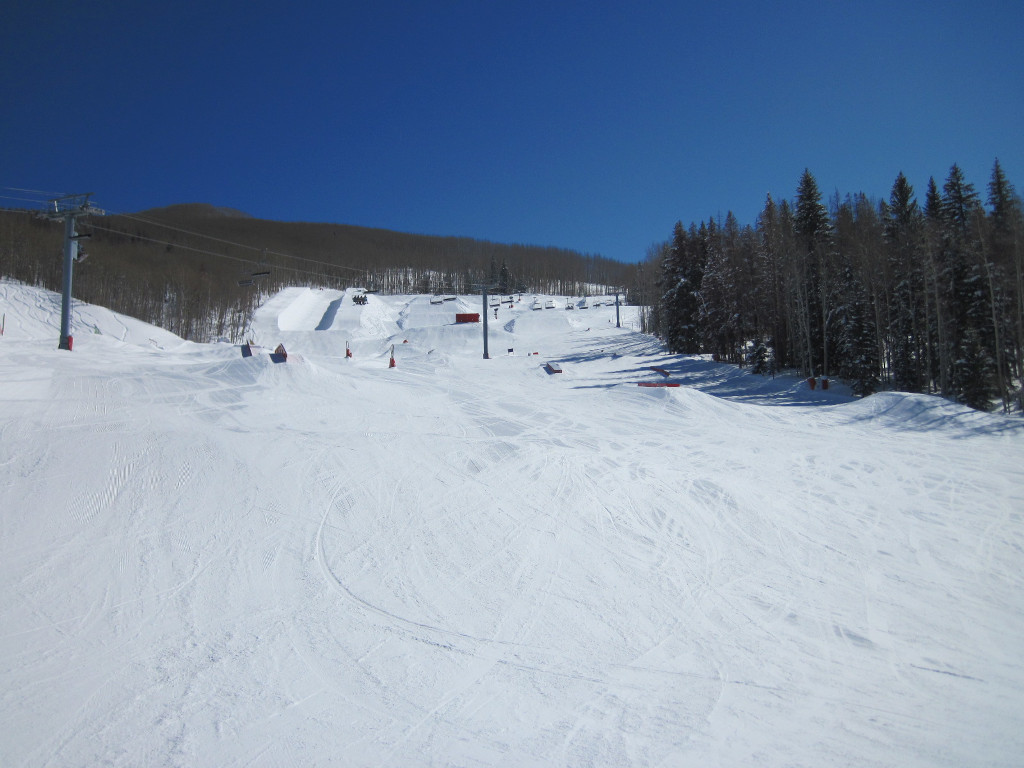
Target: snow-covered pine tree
(761, 358)
(856, 350)
(939, 363)
(682, 272)
(1005, 273)
(970, 332)
(907, 323)
(814, 229)
(974, 373)
(769, 264)
(718, 315)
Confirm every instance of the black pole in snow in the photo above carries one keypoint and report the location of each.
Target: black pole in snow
(486, 356)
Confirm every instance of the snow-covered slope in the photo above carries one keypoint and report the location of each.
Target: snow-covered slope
(34, 315)
(215, 560)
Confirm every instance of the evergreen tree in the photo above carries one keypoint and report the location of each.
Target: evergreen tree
(974, 373)
(939, 360)
(747, 289)
(811, 216)
(762, 359)
(857, 352)
(770, 288)
(682, 272)
(907, 323)
(814, 229)
(970, 330)
(1003, 201)
(1007, 256)
(794, 351)
(718, 311)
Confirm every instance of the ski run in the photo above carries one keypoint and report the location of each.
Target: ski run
(216, 560)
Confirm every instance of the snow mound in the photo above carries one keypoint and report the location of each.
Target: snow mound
(926, 413)
(34, 314)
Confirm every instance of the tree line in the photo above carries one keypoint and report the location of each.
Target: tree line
(920, 297)
(201, 271)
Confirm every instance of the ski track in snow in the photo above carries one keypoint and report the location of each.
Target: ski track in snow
(211, 560)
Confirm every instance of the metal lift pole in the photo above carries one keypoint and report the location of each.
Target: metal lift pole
(486, 356)
(483, 290)
(69, 208)
(70, 255)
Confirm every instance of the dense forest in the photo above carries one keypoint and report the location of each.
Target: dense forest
(200, 271)
(920, 297)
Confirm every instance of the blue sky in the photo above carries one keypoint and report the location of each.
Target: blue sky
(592, 126)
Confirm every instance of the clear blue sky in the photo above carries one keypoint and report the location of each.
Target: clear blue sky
(591, 125)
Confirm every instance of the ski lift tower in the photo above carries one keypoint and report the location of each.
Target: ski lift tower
(484, 287)
(69, 208)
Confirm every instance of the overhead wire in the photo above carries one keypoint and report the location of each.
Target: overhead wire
(37, 201)
(237, 245)
(48, 195)
(39, 197)
(200, 251)
(93, 225)
(151, 222)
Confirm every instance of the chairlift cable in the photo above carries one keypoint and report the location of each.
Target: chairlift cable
(264, 251)
(200, 251)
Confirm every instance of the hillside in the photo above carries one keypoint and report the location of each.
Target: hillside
(336, 250)
(199, 270)
(214, 560)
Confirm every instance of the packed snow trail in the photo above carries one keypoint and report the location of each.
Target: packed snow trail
(210, 560)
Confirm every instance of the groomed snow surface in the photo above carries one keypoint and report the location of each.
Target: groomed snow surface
(211, 560)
